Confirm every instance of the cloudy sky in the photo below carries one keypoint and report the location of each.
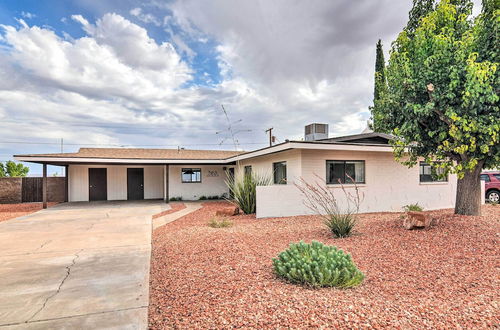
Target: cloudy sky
(155, 73)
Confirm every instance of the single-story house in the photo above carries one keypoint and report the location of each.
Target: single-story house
(131, 174)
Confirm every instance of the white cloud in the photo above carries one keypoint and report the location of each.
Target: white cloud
(117, 59)
(27, 15)
(311, 63)
(146, 18)
(114, 85)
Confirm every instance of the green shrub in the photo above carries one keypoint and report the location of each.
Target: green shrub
(213, 197)
(341, 225)
(175, 199)
(413, 208)
(244, 190)
(202, 198)
(317, 265)
(216, 223)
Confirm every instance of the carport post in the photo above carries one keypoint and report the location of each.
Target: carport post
(165, 183)
(44, 186)
(66, 183)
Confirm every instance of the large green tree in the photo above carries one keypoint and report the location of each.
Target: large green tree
(420, 9)
(443, 95)
(380, 85)
(11, 169)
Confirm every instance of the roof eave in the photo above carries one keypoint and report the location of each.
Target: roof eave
(93, 160)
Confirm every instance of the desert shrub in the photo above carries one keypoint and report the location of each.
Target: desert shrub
(219, 223)
(202, 198)
(317, 265)
(175, 199)
(340, 217)
(213, 197)
(341, 225)
(413, 208)
(244, 190)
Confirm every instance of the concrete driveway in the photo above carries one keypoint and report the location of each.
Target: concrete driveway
(77, 265)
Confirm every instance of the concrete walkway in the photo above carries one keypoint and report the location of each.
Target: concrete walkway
(77, 266)
(190, 207)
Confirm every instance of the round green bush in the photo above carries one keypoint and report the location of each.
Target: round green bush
(317, 265)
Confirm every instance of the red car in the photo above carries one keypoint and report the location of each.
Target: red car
(492, 180)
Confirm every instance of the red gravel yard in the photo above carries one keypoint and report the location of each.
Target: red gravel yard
(10, 211)
(443, 277)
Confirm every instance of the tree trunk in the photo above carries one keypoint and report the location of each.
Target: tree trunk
(468, 201)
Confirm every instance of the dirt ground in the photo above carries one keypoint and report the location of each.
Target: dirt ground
(443, 277)
(10, 211)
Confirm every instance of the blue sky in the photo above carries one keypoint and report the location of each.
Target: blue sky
(155, 73)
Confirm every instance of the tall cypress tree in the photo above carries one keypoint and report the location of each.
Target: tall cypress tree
(380, 86)
(380, 81)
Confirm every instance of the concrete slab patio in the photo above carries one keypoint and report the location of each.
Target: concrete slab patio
(77, 265)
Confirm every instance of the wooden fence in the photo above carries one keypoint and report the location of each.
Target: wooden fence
(29, 189)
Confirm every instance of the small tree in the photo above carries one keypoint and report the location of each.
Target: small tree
(443, 93)
(11, 169)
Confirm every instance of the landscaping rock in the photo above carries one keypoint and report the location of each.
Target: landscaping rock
(228, 211)
(417, 220)
(444, 278)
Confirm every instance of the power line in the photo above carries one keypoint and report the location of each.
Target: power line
(120, 144)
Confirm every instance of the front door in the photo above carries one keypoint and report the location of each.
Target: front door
(98, 186)
(135, 183)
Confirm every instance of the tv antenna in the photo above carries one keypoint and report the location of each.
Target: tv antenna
(230, 130)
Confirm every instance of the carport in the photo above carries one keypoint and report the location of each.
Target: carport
(94, 174)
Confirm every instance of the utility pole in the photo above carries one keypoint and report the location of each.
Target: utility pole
(62, 150)
(270, 130)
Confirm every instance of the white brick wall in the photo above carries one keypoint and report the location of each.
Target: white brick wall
(264, 164)
(389, 185)
(212, 182)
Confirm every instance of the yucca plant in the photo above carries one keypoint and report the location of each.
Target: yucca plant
(243, 189)
(317, 265)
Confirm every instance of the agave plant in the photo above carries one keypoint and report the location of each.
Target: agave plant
(243, 189)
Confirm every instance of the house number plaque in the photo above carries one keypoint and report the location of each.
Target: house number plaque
(212, 174)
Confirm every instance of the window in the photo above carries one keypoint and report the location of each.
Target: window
(430, 173)
(279, 170)
(497, 176)
(248, 170)
(485, 177)
(345, 171)
(191, 175)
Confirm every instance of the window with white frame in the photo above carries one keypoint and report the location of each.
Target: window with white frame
(429, 173)
(191, 175)
(345, 171)
(279, 172)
